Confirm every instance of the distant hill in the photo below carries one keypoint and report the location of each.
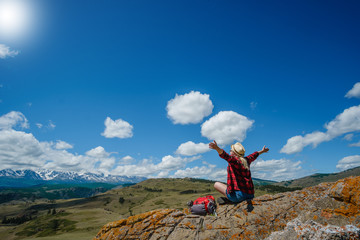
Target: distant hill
(261, 182)
(318, 178)
(29, 178)
(54, 191)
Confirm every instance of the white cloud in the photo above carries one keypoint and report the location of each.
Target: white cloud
(118, 128)
(127, 160)
(354, 92)
(98, 152)
(276, 170)
(297, 143)
(189, 108)
(355, 144)
(171, 163)
(147, 168)
(226, 127)
(348, 162)
(63, 145)
(106, 164)
(163, 174)
(346, 122)
(190, 148)
(12, 119)
(205, 172)
(101, 159)
(20, 150)
(5, 52)
(63, 160)
(39, 125)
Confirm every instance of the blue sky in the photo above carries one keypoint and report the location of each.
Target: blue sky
(141, 87)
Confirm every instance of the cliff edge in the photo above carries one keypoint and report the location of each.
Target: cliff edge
(326, 211)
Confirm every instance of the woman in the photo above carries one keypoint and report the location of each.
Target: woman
(239, 183)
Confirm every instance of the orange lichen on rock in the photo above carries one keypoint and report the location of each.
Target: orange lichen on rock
(189, 225)
(348, 191)
(137, 218)
(133, 225)
(224, 233)
(221, 227)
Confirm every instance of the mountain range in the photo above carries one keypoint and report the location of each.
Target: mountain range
(28, 178)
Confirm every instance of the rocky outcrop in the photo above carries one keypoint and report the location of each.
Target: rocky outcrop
(326, 211)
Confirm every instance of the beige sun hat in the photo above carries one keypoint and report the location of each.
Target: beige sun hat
(238, 149)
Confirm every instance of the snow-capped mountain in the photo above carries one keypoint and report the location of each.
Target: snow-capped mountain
(16, 178)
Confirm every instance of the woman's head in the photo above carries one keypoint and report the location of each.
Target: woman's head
(238, 149)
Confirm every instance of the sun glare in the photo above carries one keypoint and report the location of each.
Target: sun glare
(15, 19)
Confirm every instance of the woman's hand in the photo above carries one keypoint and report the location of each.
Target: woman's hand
(213, 145)
(264, 150)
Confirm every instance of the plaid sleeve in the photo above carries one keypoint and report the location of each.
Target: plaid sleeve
(227, 157)
(252, 157)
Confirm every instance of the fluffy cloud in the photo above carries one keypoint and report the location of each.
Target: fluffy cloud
(98, 152)
(13, 119)
(348, 162)
(189, 108)
(147, 168)
(127, 160)
(21, 150)
(207, 171)
(226, 127)
(118, 128)
(190, 148)
(5, 52)
(346, 122)
(277, 170)
(297, 143)
(354, 92)
(63, 160)
(63, 145)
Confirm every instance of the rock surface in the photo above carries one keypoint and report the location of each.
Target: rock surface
(326, 211)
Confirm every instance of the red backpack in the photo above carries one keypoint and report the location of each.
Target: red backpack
(203, 205)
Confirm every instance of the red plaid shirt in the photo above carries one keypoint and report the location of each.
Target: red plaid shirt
(239, 178)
